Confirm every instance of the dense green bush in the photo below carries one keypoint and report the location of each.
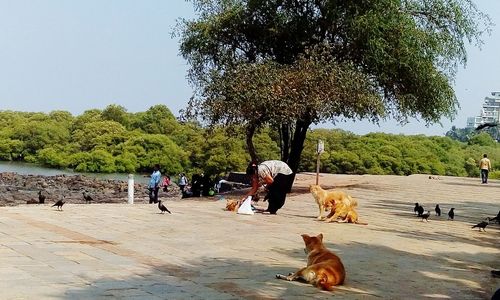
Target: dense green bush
(113, 140)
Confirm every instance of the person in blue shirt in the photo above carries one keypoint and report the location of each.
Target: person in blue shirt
(154, 184)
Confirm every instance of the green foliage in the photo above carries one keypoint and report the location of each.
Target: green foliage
(51, 157)
(60, 140)
(10, 149)
(482, 139)
(289, 64)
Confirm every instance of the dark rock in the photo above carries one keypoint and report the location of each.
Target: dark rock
(18, 189)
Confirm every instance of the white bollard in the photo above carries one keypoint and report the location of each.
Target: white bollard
(130, 188)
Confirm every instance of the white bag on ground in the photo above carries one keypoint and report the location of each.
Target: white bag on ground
(246, 207)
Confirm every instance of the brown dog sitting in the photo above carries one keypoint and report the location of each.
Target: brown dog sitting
(324, 268)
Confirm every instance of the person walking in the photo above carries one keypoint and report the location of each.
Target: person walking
(276, 176)
(154, 184)
(485, 167)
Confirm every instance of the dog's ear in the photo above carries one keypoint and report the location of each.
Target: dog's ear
(305, 237)
(320, 237)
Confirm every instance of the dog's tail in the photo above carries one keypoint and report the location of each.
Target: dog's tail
(360, 223)
(354, 202)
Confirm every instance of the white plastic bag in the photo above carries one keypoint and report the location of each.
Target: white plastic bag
(246, 207)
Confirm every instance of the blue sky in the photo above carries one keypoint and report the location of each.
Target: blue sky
(79, 55)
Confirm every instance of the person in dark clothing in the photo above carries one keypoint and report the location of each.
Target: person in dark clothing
(196, 185)
(276, 176)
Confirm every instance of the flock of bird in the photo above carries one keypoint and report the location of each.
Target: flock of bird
(419, 211)
(88, 199)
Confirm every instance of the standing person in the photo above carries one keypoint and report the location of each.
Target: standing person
(485, 167)
(182, 181)
(276, 176)
(154, 184)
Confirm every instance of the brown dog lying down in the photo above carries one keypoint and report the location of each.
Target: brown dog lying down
(232, 205)
(341, 205)
(324, 268)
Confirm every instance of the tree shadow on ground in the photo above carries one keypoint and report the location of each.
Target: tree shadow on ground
(373, 271)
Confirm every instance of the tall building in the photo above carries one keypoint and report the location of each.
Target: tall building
(490, 112)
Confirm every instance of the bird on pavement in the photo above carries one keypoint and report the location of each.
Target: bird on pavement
(451, 214)
(415, 209)
(426, 216)
(87, 197)
(162, 207)
(41, 197)
(482, 225)
(59, 204)
(438, 210)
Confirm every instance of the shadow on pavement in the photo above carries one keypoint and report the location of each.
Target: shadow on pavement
(372, 272)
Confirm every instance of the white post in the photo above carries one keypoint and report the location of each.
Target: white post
(130, 188)
(320, 148)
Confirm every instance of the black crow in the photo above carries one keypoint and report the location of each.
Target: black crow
(482, 225)
(87, 197)
(415, 209)
(59, 204)
(438, 210)
(486, 125)
(41, 198)
(451, 214)
(420, 210)
(163, 208)
(426, 216)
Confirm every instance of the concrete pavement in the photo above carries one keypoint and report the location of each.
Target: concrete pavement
(203, 252)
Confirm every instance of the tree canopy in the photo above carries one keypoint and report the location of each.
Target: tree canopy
(289, 64)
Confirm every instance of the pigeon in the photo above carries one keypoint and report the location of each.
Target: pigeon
(59, 204)
(426, 216)
(415, 209)
(420, 210)
(87, 197)
(163, 208)
(497, 218)
(451, 214)
(482, 225)
(41, 198)
(438, 210)
(486, 125)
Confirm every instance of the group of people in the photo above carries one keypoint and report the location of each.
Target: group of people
(274, 175)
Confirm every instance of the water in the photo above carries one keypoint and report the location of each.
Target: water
(31, 169)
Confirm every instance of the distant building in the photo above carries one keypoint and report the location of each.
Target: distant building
(490, 113)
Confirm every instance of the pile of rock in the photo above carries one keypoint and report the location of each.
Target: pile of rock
(21, 189)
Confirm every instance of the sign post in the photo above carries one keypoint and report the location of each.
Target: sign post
(319, 149)
(130, 189)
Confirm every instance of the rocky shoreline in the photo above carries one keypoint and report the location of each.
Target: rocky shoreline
(18, 189)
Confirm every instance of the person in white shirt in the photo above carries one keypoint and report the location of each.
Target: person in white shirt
(276, 176)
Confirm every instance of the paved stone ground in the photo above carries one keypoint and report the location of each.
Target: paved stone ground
(203, 252)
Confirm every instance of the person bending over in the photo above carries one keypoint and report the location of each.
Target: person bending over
(276, 176)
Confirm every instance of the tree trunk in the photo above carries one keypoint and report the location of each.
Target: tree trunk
(297, 144)
(284, 130)
(249, 139)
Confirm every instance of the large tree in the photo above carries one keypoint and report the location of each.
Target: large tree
(289, 63)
